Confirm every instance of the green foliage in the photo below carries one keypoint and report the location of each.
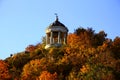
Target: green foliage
(95, 72)
(16, 63)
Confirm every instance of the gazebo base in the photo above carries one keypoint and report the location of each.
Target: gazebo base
(52, 45)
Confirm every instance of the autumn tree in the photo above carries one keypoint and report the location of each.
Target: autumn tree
(116, 48)
(99, 38)
(32, 69)
(86, 37)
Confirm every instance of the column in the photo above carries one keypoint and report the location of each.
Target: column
(58, 37)
(46, 38)
(51, 38)
(65, 38)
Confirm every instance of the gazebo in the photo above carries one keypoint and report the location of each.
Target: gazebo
(56, 34)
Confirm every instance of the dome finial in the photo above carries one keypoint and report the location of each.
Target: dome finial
(56, 16)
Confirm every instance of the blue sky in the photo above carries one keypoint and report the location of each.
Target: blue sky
(23, 22)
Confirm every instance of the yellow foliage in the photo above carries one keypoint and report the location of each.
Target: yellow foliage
(33, 68)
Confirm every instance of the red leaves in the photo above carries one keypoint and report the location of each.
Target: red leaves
(30, 48)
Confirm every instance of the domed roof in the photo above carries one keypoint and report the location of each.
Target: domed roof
(56, 23)
(56, 26)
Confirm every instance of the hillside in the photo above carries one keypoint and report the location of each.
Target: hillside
(87, 56)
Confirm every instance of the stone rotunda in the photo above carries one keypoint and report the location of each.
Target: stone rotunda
(56, 34)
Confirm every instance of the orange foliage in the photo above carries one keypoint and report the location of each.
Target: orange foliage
(45, 75)
(85, 68)
(4, 73)
(34, 68)
(73, 40)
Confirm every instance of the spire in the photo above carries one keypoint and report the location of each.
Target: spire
(56, 16)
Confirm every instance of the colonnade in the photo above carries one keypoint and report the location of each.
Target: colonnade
(61, 38)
